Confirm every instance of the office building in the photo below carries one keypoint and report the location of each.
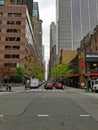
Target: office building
(35, 10)
(16, 38)
(74, 19)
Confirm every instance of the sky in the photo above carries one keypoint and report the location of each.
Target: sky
(47, 15)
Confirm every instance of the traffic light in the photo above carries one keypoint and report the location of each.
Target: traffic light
(31, 59)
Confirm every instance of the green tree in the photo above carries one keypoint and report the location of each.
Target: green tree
(62, 70)
(36, 70)
(20, 74)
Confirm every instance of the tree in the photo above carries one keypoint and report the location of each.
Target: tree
(62, 70)
(36, 70)
(20, 74)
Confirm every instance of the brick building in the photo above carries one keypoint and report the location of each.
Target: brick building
(16, 38)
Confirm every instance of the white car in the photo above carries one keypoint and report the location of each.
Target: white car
(95, 86)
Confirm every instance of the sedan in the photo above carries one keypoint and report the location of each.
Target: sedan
(48, 85)
(59, 86)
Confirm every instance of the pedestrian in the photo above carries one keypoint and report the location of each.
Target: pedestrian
(0, 85)
(10, 87)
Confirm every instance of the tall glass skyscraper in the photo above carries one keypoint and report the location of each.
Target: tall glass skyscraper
(74, 19)
(35, 10)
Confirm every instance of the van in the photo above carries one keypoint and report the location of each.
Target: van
(34, 83)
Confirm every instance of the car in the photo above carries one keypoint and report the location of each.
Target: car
(95, 86)
(59, 85)
(48, 85)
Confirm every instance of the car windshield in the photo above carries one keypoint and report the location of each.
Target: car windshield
(96, 82)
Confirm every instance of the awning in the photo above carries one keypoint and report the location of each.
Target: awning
(93, 74)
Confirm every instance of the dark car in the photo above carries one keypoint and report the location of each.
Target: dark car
(59, 85)
(48, 85)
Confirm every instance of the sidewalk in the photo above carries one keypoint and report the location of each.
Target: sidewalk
(73, 89)
(13, 89)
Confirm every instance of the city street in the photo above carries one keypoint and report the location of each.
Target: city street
(40, 109)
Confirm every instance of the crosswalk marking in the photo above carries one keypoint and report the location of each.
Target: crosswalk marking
(44, 90)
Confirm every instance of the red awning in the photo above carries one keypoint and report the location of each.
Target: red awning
(93, 74)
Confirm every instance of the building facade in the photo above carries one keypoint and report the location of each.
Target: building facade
(16, 38)
(74, 19)
(29, 4)
(35, 10)
(37, 28)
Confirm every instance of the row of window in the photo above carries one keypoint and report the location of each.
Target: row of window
(12, 38)
(11, 56)
(12, 47)
(12, 22)
(12, 14)
(11, 64)
(17, 39)
(12, 30)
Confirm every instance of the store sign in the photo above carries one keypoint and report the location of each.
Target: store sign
(91, 55)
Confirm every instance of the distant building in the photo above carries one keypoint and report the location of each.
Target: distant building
(37, 27)
(35, 10)
(67, 55)
(74, 19)
(52, 62)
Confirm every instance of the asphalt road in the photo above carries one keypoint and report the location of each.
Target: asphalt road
(41, 109)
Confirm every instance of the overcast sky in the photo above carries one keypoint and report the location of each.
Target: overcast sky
(47, 15)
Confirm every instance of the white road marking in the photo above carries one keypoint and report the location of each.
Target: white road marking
(84, 115)
(3, 119)
(1, 115)
(43, 115)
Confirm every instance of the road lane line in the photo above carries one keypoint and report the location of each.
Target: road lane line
(84, 115)
(43, 115)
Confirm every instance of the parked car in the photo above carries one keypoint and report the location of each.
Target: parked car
(95, 86)
(59, 85)
(48, 85)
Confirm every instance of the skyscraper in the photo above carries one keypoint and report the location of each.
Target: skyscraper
(35, 10)
(75, 18)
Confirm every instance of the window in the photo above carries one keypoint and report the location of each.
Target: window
(0, 22)
(11, 56)
(12, 38)
(14, 14)
(1, 14)
(1, 2)
(18, 22)
(11, 64)
(13, 30)
(14, 22)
